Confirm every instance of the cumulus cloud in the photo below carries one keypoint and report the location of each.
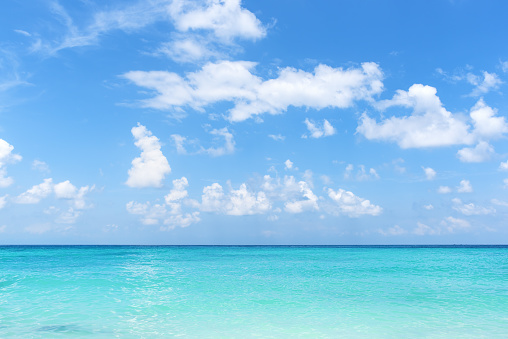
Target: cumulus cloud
(6, 157)
(150, 168)
(483, 84)
(465, 187)
(307, 204)
(444, 190)
(63, 190)
(36, 193)
(288, 164)
(3, 201)
(452, 224)
(229, 143)
(169, 214)
(316, 131)
(471, 209)
(236, 202)
(200, 27)
(226, 18)
(503, 166)
(430, 124)
(486, 123)
(480, 153)
(234, 81)
(352, 205)
(430, 174)
(422, 229)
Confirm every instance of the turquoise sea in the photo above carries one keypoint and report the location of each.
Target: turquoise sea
(253, 291)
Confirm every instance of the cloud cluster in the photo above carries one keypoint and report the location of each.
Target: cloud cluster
(464, 187)
(150, 168)
(431, 125)
(169, 213)
(64, 190)
(182, 144)
(471, 209)
(6, 157)
(326, 129)
(430, 173)
(361, 173)
(352, 205)
(236, 202)
(448, 225)
(201, 28)
(234, 81)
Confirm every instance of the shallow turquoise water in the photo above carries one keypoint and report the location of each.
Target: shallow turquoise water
(278, 292)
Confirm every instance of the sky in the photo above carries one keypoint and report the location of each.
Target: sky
(253, 122)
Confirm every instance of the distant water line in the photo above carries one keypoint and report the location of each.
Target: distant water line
(253, 291)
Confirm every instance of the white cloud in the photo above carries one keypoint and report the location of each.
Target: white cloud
(504, 66)
(483, 85)
(202, 28)
(351, 205)
(361, 174)
(277, 137)
(229, 143)
(188, 49)
(223, 133)
(503, 166)
(480, 153)
(169, 213)
(423, 229)
(452, 224)
(326, 129)
(3, 228)
(179, 143)
(36, 193)
(237, 202)
(308, 204)
(251, 96)
(471, 209)
(6, 157)
(444, 190)
(486, 123)
(429, 125)
(68, 217)
(65, 190)
(40, 166)
(151, 167)
(288, 164)
(178, 192)
(430, 174)
(465, 187)
(3, 201)
(499, 202)
(428, 207)
(180, 220)
(226, 18)
(395, 230)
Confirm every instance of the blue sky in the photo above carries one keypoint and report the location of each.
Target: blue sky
(253, 122)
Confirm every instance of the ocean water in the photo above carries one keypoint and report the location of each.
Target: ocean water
(267, 292)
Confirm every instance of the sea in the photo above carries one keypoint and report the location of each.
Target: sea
(254, 291)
